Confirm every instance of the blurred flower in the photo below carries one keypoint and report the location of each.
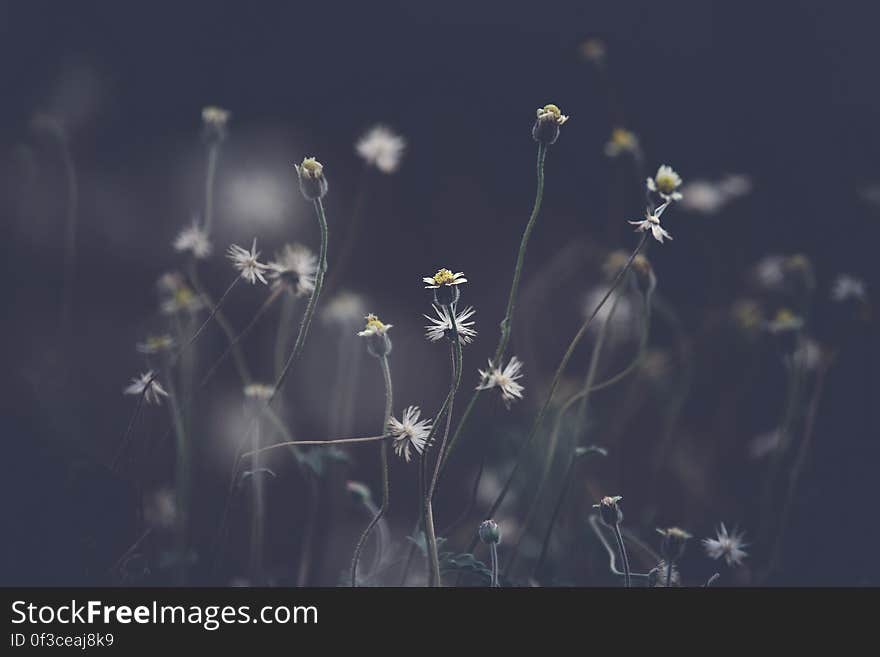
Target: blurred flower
(621, 141)
(246, 263)
(312, 182)
(764, 443)
(747, 316)
(155, 344)
(593, 50)
(674, 541)
(410, 433)
(656, 365)
(441, 327)
(160, 510)
(182, 300)
(296, 267)
(214, 121)
(146, 385)
(665, 182)
(652, 222)
(621, 321)
(195, 240)
(808, 354)
(504, 379)
(784, 321)
(381, 148)
(546, 128)
(708, 197)
(346, 308)
(770, 271)
(259, 391)
(658, 574)
(730, 546)
(848, 287)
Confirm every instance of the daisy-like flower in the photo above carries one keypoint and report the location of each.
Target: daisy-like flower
(784, 321)
(445, 285)
(247, 264)
(503, 379)
(848, 287)
(409, 434)
(621, 141)
(381, 148)
(652, 222)
(730, 546)
(146, 385)
(155, 344)
(296, 266)
(546, 128)
(703, 197)
(441, 327)
(259, 391)
(376, 333)
(665, 182)
(312, 182)
(195, 240)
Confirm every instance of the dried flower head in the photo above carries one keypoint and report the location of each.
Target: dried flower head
(652, 222)
(546, 127)
(312, 182)
(665, 182)
(621, 141)
(730, 546)
(295, 267)
(146, 385)
(441, 326)
(489, 532)
(382, 148)
(247, 263)
(409, 434)
(674, 541)
(504, 379)
(195, 240)
(609, 510)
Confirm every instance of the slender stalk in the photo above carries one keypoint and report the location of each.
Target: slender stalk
(182, 479)
(282, 337)
(557, 377)
(257, 518)
(621, 548)
(210, 174)
(612, 565)
(554, 435)
(563, 492)
(493, 556)
(386, 488)
(669, 573)
(431, 538)
(504, 338)
(305, 560)
(312, 443)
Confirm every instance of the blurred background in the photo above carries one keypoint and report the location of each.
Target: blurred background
(782, 95)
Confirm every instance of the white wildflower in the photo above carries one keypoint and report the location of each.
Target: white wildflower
(381, 148)
(443, 277)
(146, 385)
(665, 182)
(297, 267)
(652, 222)
(504, 379)
(247, 264)
(409, 434)
(848, 287)
(195, 240)
(441, 326)
(730, 546)
(259, 391)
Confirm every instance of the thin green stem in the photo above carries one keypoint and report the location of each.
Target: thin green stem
(386, 487)
(313, 443)
(493, 557)
(557, 377)
(506, 323)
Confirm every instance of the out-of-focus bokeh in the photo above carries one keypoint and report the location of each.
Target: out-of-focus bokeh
(768, 111)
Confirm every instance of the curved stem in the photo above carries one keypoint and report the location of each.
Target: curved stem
(386, 489)
(312, 443)
(504, 339)
(557, 377)
(612, 562)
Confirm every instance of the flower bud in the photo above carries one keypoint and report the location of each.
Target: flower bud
(546, 128)
(376, 334)
(609, 510)
(490, 532)
(312, 182)
(674, 542)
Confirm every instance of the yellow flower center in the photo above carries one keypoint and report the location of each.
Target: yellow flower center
(623, 139)
(444, 277)
(311, 168)
(784, 315)
(183, 296)
(666, 183)
(374, 323)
